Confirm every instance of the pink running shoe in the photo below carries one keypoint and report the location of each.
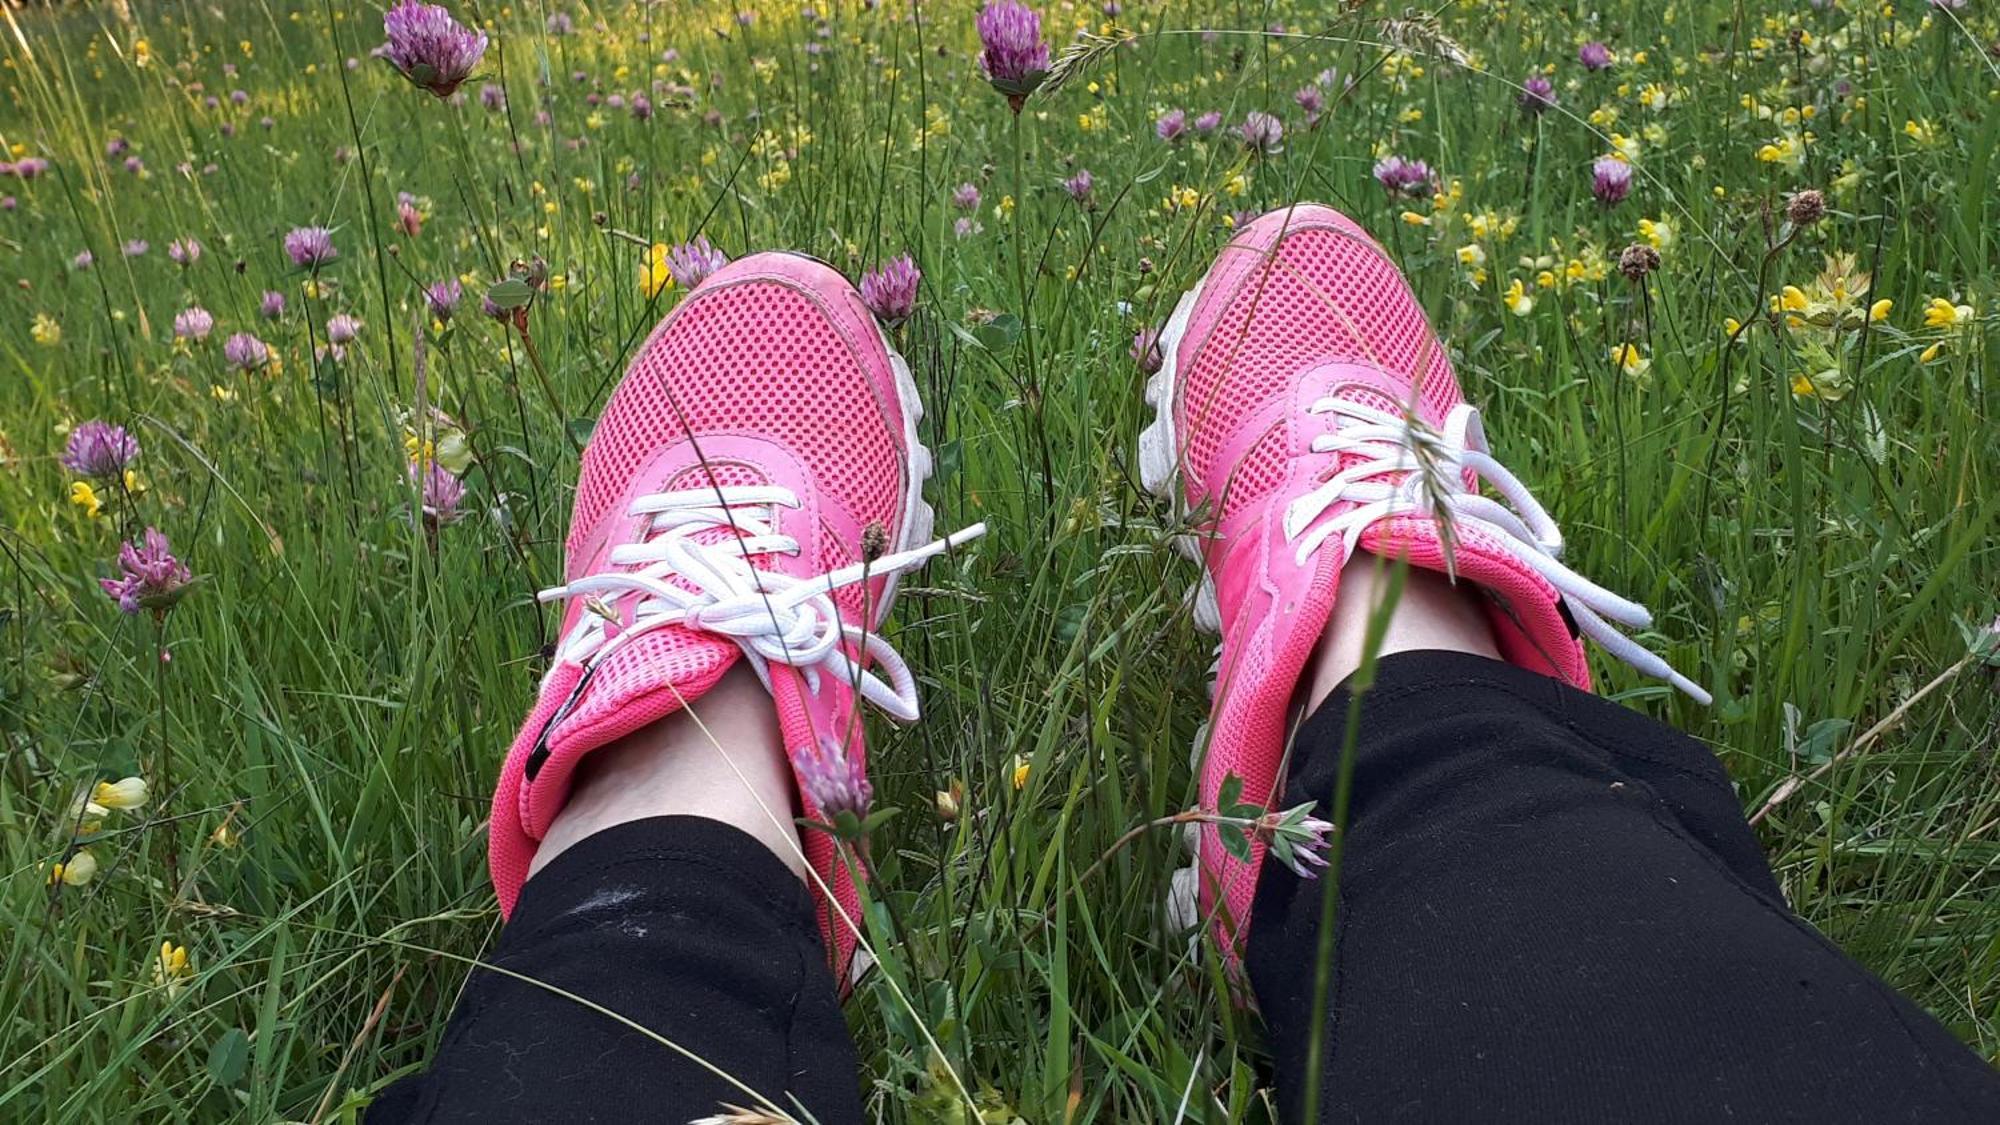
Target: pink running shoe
(759, 435)
(1300, 393)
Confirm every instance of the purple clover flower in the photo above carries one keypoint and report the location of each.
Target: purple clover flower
(184, 251)
(310, 247)
(1594, 55)
(965, 196)
(1538, 94)
(1610, 180)
(1012, 54)
(1262, 133)
(193, 323)
(84, 260)
(150, 576)
(1171, 126)
(833, 781)
(431, 49)
(246, 352)
(690, 263)
(1079, 185)
(1408, 179)
(443, 298)
(1312, 100)
(342, 329)
(1208, 122)
(272, 305)
(441, 491)
(891, 292)
(99, 449)
(409, 217)
(136, 247)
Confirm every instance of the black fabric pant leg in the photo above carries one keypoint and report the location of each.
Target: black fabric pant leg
(1552, 910)
(685, 926)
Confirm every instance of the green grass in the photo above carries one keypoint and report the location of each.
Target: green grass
(341, 689)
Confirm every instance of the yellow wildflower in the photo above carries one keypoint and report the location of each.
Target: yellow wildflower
(45, 330)
(1658, 232)
(1940, 313)
(171, 967)
(1516, 298)
(1020, 771)
(85, 497)
(1879, 311)
(653, 273)
(127, 794)
(80, 868)
(1630, 360)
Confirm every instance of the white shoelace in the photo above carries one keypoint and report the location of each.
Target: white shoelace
(774, 618)
(1404, 468)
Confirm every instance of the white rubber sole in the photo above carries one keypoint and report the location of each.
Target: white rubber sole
(1159, 472)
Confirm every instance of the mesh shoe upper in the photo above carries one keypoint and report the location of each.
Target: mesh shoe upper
(770, 376)
(1302, 388)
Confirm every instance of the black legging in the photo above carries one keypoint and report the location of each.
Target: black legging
(1550, 910)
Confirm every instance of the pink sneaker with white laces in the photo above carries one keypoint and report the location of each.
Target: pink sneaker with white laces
(759, 435)
(1304, 400)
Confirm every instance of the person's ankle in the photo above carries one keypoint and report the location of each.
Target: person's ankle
(1431, 612)
(722, 759)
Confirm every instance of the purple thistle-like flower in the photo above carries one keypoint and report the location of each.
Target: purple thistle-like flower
(1538, 94)
(84, 260)
(246, 352)
(492, 308)
(1307, 853)
(1312, 100)
(1610, 180)
(8, 203)
(99, 449)
(833, 781)
(184, 251)
(1262, 133)
(441, 491)
(965, 196)
(30, 167)
(150, 576)
(409, 217)
(1594, 55)
(272, 306)
(1079, 185)
(136, 247)
(891, 292)
(1012, 54)
(443, 298)
(966, 227)
(493, 96)
(116, 147)
(1146, 350)
(310, 247)
(1406, 178)
(1171, 126)
(342, 329)
(431, 49)
(193, 323)
(1208, 122)
(642, 107)
(690, 263)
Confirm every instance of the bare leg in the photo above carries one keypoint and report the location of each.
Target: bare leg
(735, 772)
(1432, 613)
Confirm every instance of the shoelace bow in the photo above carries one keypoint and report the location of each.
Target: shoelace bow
(1401, 467)
(775, 618)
